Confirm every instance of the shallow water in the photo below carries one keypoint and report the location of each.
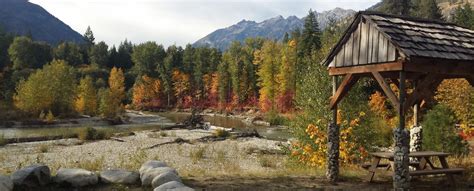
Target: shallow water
(147, 121)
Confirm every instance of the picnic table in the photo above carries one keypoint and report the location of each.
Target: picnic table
(422, 166)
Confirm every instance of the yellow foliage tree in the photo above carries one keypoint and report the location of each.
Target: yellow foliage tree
(117, 85)
(86, 101)
(458, 95)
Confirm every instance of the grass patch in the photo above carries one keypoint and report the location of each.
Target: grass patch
(90, 133)
(266, 161)
(92, 165)
(221, 133)
(163, 134)
(43, 148)
(3, 141)
(197, 154)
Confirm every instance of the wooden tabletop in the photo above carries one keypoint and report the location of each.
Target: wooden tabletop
(389, 155)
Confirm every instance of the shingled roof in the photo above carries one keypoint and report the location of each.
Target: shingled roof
(414, 37)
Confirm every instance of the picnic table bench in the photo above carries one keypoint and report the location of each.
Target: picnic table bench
(423, 166)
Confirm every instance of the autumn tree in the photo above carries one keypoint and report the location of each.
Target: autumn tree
(165, 70)
(286, 76)
(146, 93)
(181, 88)
(86, 101)
(458, 96)
(117, 86)
(268, 61)
(49, 89)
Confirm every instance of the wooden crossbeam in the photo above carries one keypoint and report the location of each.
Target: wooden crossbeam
(347, 83)
(386, 89)
(444, 67)
(391, 66)
(424, 89)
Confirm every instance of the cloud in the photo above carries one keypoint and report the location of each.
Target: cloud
(176, 21)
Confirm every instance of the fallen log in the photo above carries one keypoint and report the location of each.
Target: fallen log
(177, 140)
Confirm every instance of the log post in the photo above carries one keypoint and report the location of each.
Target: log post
(401, 176)
(332, 172)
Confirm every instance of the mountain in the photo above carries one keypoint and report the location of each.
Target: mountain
(22, 17)
(274, 28)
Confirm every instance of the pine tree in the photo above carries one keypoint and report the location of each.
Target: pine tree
(89, 37)
(286, 37)
(311, 36)
(99, 54)
(429, 9)
(464, 16)
(396, 7)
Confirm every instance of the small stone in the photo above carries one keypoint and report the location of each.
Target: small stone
(164, 178)
(148, 176)
(32, 176)
(119, 177)
(173, 186)
(6, 184)
(76, 177)
(150, 165)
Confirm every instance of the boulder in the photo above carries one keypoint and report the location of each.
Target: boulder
(149, 175)
(164, 178)
(6, 184)
(31, 177)
(173, 186)
(151, 164)
(119, 177)
(76, 177)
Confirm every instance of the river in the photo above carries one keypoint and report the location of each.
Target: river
(142, 121)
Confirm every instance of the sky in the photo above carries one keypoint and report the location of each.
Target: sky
(177, 22)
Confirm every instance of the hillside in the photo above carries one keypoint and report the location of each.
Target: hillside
(274, 28)
(22, 17)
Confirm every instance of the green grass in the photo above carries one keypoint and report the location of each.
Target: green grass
(2, 140)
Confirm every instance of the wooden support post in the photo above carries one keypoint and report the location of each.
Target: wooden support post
(415, 109)
(386, 89)
(339, 92)
(333, 140)
(401, 177)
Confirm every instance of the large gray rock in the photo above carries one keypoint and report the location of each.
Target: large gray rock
(119, 177)
(149, 175)
(6, 184)
(164, 178)
(150, 165)
(32, 176)
(76, 177)
(173, 186)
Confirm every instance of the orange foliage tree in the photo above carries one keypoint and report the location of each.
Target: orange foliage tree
(182, 88)
(146, 93)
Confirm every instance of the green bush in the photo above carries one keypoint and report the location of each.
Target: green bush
(440, 134)
(3, 141)
(221, 133)
(274, 118)
(90, 133)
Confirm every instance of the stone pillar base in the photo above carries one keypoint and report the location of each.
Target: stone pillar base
(332, 172)
(401, 176)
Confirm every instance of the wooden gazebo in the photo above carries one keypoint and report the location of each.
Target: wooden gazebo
(396, 49)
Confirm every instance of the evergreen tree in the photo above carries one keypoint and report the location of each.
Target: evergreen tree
(124, 55)
(428, 9)
(464, 16)
(89, 37)
(112, 61)
(146, 57)
(396, 7)
(286, 38)
(69, 52)
(99, 54)
(25, 53)
(165, 70)
(311, 36)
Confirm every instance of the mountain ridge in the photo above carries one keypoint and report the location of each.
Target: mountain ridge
(22, 17)
(273, 28)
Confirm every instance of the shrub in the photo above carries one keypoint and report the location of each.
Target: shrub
(43, 148)
(274, 118)
(440, 134)
(266, 162)
(197, 154)
(3, 141)
(50, 117)
(163, 134)
(90, 133)
(221, 133)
